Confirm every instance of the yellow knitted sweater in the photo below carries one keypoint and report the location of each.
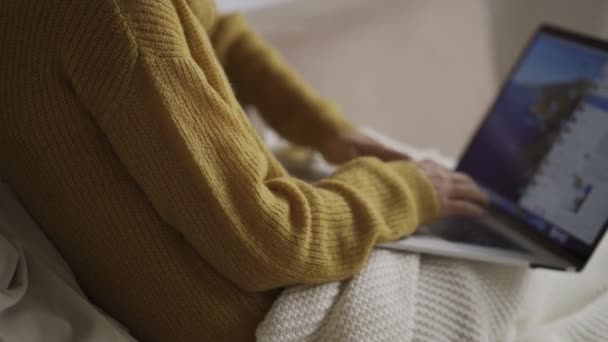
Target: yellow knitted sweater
(121, 133)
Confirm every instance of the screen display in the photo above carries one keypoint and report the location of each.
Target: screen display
(542, 151)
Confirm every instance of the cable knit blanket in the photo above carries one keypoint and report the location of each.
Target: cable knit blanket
(402, 297)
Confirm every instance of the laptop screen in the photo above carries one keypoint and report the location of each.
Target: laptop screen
(542, 150)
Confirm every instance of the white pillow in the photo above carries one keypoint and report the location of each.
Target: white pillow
(34, 279)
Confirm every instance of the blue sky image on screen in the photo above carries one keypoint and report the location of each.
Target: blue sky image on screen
(516, 135)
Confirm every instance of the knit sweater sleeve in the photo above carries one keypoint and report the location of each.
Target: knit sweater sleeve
(261, 78)
(180, 134)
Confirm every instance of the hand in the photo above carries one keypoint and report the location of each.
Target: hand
(352, 143)
(457, 193)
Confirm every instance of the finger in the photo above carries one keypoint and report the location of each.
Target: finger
(468, 192)
(465, 180)
(460, 177)
(429, 163)
(463, 208)
(380, 151)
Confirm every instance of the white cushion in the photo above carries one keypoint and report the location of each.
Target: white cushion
(40, 299)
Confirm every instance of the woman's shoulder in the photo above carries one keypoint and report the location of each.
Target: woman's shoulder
(155, 27)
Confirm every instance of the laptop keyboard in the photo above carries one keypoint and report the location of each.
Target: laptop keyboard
(470, 232)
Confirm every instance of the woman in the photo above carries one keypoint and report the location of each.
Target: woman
(122, 134)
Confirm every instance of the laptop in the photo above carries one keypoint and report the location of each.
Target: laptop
(541, 153)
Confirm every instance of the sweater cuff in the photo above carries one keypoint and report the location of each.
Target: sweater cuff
(424, 196)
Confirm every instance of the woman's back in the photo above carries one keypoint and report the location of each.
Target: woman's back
(123, 138)
(65, 171)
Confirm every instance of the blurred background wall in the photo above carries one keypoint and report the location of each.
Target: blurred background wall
(421, 71)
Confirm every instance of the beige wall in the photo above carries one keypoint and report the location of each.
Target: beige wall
(513, 21)
(421, 71)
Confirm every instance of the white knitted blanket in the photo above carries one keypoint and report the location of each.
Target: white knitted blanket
(401, 297)
(408, 297)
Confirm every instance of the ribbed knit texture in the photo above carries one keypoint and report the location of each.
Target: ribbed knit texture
(122, 136)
